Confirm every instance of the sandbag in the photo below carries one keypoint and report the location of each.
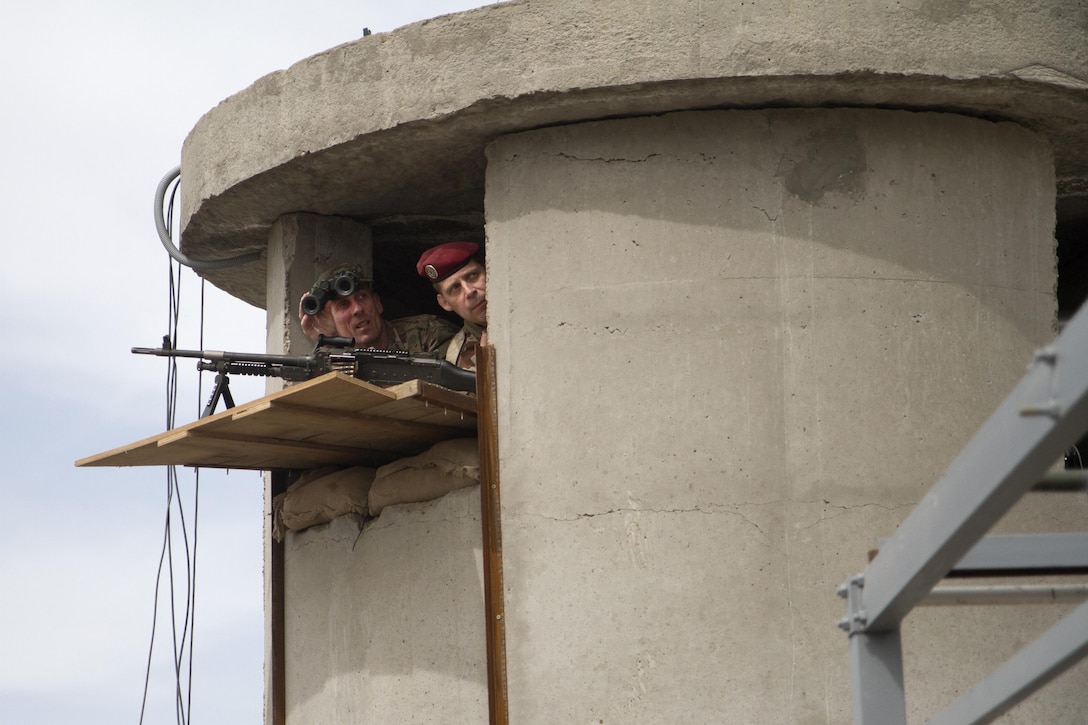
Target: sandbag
(447, 466)
(319, 496)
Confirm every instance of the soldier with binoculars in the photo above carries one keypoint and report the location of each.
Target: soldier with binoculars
(342, 302)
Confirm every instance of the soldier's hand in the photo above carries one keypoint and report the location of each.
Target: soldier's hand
(319, 324)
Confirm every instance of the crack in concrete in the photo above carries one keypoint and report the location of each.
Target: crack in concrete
(605, 159)
(380, 524)
(766, 214)
(706, 511)
(841, 510)
(736, 510)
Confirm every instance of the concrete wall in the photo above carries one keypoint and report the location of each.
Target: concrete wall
(300, 247)
(735, 348)
(394, 124)
(386, 624)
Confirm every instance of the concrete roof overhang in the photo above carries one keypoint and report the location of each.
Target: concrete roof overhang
(391, 129)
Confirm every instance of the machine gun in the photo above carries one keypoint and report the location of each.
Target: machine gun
(380, 367)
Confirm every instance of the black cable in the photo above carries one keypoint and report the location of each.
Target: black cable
(183, 685)
(184, 632)
(179, 712)
(184, 699)
(171, 397)
(196, 515)
(192, 623)
(171, 477)
(155, 615)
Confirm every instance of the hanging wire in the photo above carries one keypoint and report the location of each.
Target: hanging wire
(191, 615)
(183, 632)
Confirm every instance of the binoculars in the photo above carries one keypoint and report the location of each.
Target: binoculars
(342, 285)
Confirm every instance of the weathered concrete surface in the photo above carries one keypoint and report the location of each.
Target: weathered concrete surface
(387, 625)
(393, 126)
(735, 348)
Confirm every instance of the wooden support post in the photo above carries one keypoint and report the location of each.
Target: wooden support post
(495, 626)
(278, 664)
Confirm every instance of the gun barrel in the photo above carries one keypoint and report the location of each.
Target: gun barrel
(161, 352)
(302, 361)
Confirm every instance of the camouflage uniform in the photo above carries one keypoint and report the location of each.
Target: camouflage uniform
(462, 348)
(420, 333)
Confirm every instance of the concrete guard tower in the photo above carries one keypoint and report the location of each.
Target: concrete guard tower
(757, 272)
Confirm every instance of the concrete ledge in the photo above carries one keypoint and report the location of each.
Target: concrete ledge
(393, 126)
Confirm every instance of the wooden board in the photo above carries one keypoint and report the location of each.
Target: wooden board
(332, 420)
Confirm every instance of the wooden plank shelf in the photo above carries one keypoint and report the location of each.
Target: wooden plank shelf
(331, 420)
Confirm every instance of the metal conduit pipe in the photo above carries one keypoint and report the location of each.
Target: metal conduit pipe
(1068, 481)
(1006, 594)
(164, 233)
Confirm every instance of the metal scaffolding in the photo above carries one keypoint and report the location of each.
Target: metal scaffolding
(1010, 455)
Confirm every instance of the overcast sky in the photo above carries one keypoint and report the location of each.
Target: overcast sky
(97, 99)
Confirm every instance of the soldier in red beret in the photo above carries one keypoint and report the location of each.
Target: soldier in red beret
(457, 273)
(343, 302)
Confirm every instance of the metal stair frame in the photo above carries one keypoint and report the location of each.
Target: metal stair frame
(1044, 415)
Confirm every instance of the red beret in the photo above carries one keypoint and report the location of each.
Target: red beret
(440, 262)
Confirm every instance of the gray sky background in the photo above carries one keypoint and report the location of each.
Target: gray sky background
(97, 99)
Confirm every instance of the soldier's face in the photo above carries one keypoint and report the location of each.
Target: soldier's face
(358, 315)
(465, 292)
